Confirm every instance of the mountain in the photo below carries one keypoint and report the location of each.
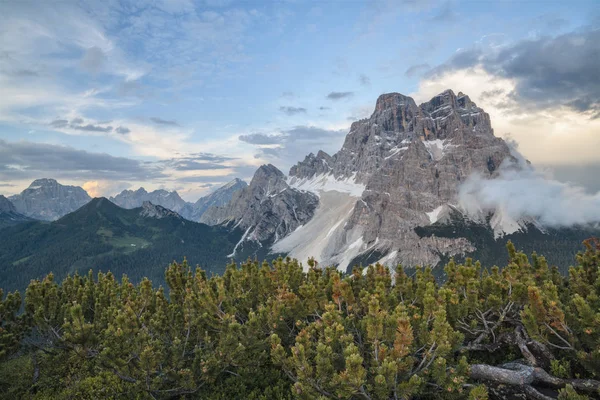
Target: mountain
(102, 236)
(219, 197)
(266, 210)
(398, 171)
(134, 199)
(9, 215)
(48, 200)
(172, 200)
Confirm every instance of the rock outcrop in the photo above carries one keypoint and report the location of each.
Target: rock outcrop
(267, 210)
(150, 210)
(48, 200)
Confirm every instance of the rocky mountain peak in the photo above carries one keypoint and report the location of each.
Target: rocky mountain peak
(313, 165)
(390, 101)
(267, 179)
(410, 160)
(267, 209)
(267, 172)
(43, 182)
(46, 199)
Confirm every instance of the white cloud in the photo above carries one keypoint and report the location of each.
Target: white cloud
(527, 193)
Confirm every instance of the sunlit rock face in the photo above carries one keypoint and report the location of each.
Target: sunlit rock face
(397, 170)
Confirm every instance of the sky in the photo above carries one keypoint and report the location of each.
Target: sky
(186, 95)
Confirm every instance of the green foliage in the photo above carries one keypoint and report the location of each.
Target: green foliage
(568, 393)
(271, 331)
(102, 236)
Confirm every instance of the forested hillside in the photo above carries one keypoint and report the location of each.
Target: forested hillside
(104, 237)
(272, 331)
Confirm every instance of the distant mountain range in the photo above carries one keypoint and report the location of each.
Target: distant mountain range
(47, 200)
(172, 201)
(139, 242)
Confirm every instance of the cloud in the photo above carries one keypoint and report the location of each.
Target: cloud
(585, 175)
(303, 132)
(197, 162)
(261, 138)
(416, 70)
(123, 130)
(77, 121)
(287, 146)
(548, 72)
(527, 193)
(59, 123)
(364, 80)
(184, 165)
(292, 110)
(323, 108)
(160, 121)
(105, 188)
(28, 160)
(208, 157)
(339, 95)
(91, 128)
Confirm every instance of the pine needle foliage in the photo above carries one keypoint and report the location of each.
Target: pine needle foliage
(275, 331)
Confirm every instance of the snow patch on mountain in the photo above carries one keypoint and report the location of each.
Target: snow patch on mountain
(435, 214)
(437, 148)
(327, 183)
(324, 236)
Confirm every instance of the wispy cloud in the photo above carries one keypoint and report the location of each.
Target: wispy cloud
(292, 110)
(339, 95)
(160, 121)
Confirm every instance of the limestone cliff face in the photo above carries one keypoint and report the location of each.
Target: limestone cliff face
(411, 160)
(397, 170)
(48, 200)
(267, 210)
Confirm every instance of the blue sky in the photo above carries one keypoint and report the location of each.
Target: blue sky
(188, 94)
